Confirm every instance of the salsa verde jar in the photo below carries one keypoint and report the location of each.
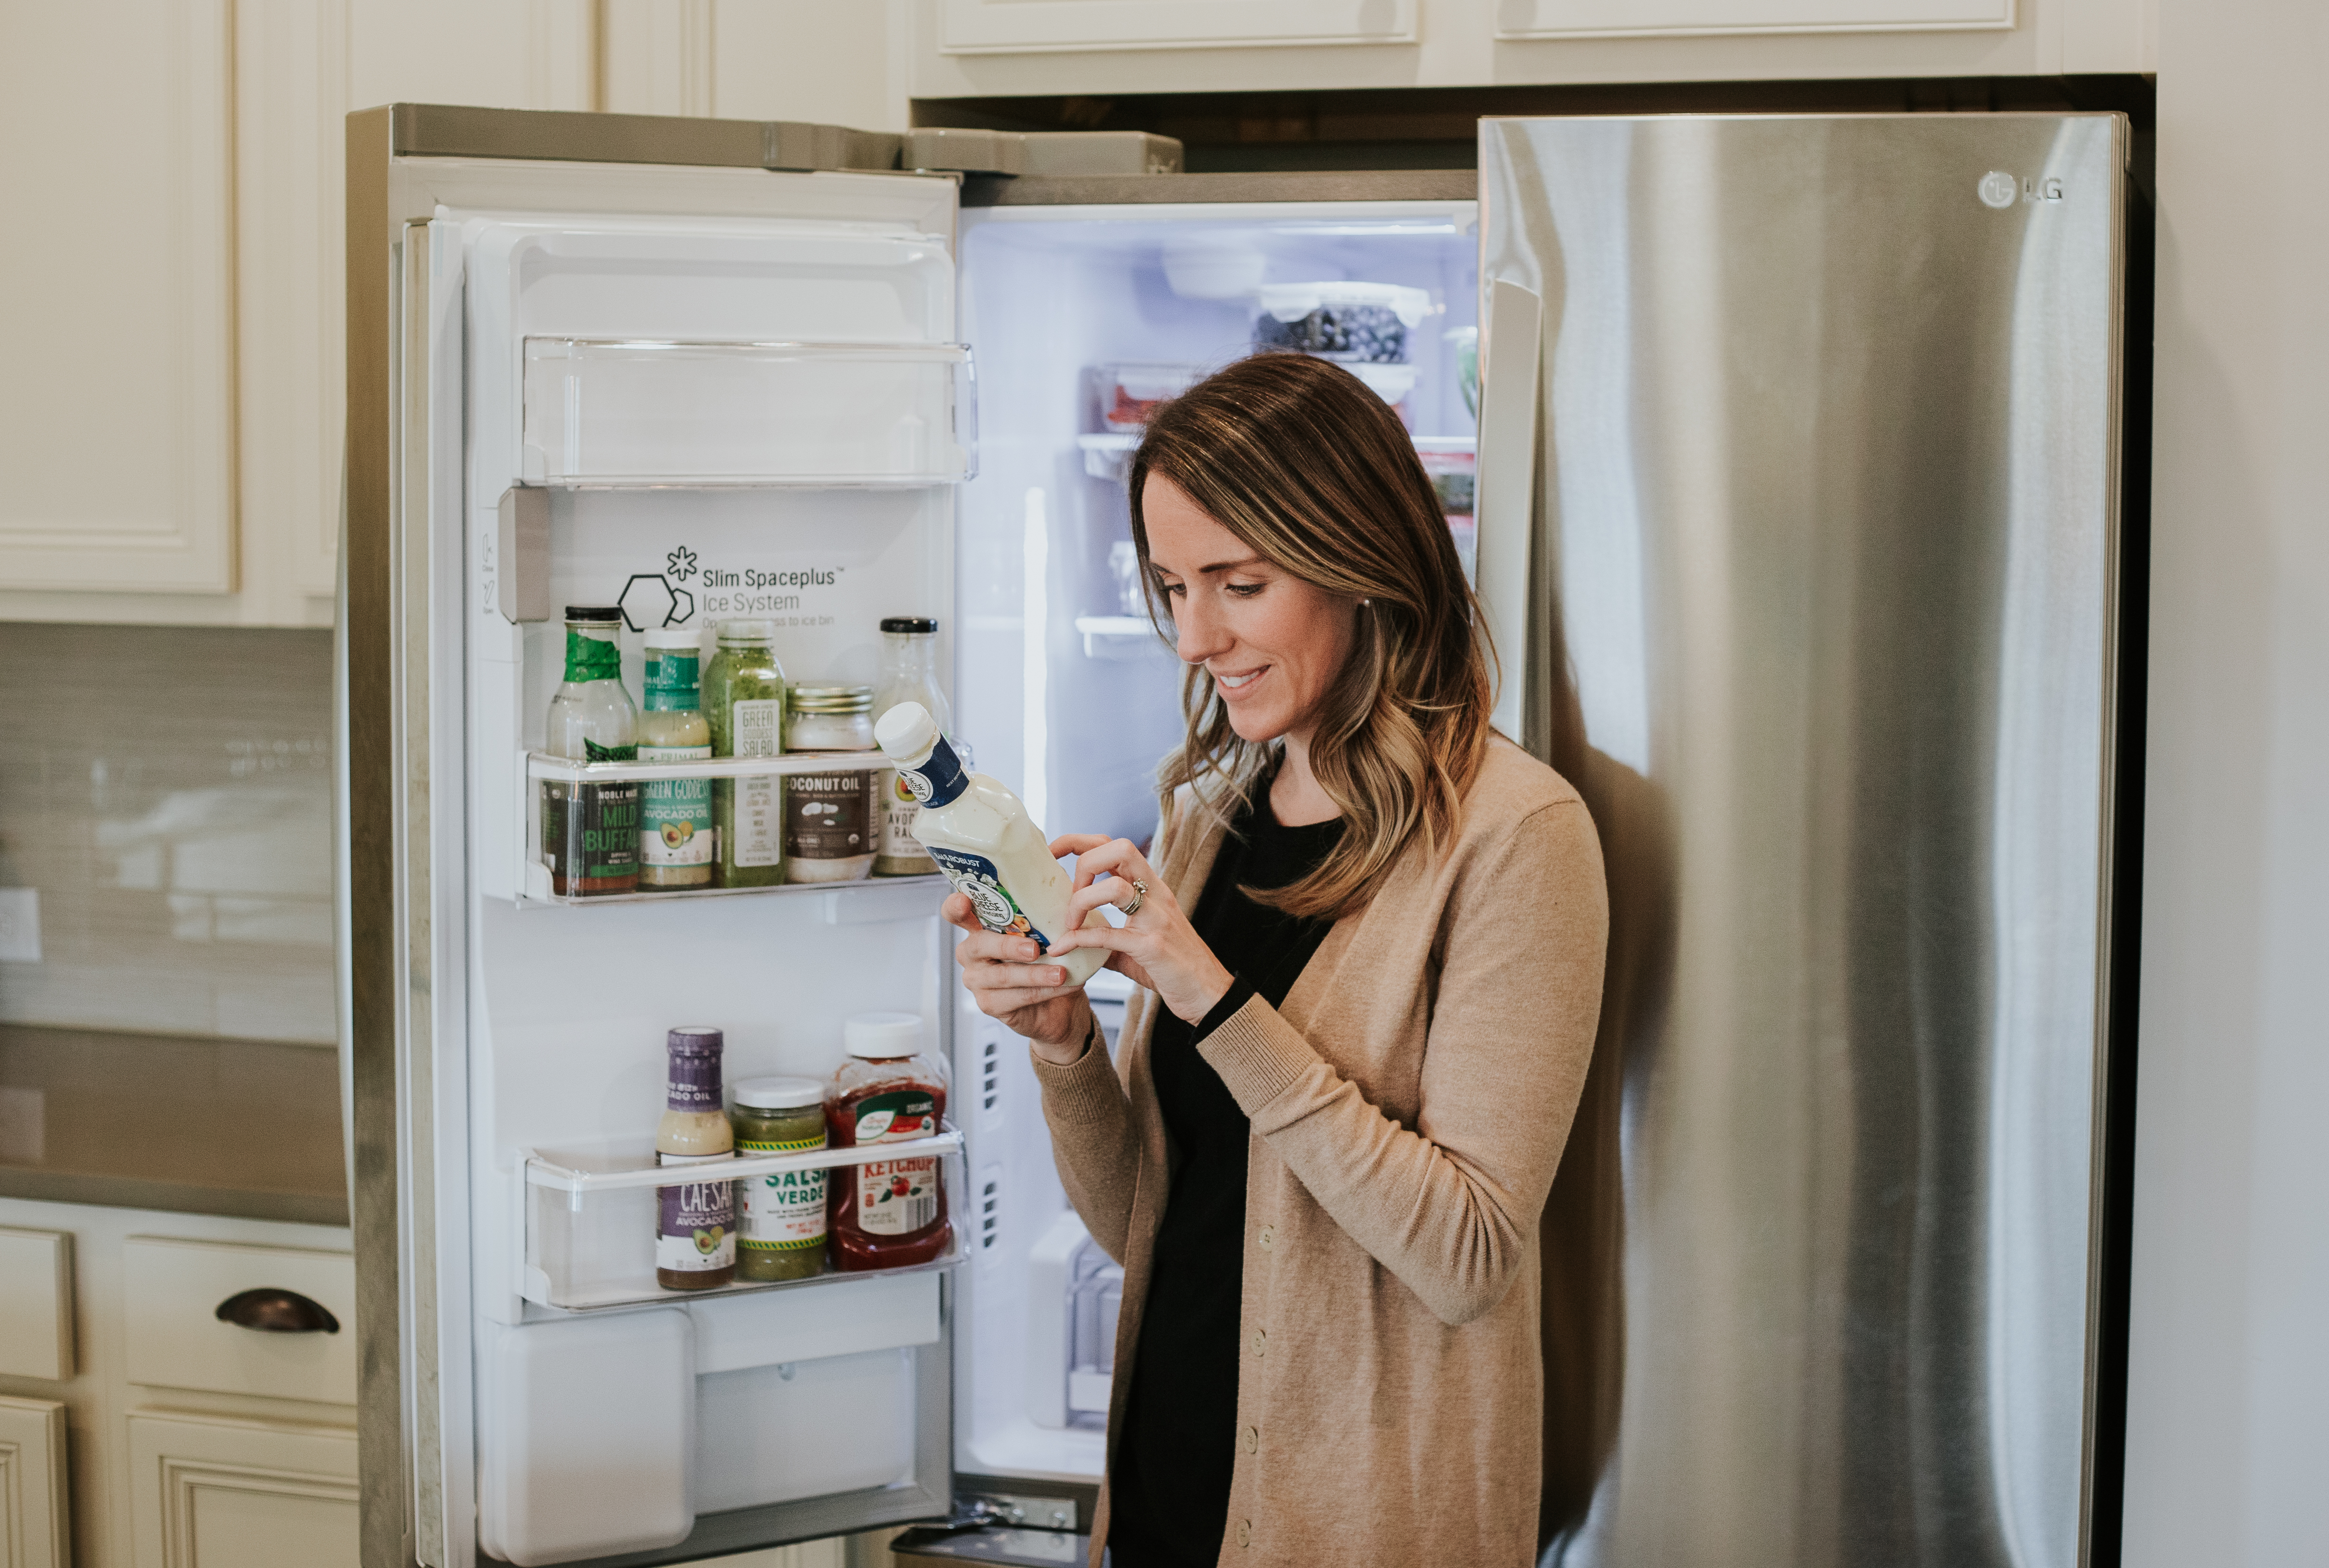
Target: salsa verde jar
(779, 1217)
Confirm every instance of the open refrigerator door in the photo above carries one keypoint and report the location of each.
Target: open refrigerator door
(679, 383)
(689, 394)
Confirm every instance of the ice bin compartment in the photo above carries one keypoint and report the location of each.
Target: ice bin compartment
(611, 412)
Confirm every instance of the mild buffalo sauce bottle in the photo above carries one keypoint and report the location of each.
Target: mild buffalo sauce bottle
(885, 1214)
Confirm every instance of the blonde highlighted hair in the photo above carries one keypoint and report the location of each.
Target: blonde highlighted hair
(1314, 474)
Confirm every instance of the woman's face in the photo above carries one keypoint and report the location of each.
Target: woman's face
(1273, 643)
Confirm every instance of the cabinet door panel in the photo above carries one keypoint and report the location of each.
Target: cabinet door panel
(1517, 19)
(1009, 27)
(33, 1514)
(116, 391)
(255, 1494)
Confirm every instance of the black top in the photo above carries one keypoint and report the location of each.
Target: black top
(1169, 1495)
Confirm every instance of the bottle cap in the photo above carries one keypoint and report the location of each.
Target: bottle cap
(593, 613)
(779, 1094)
(882, 1036)
(831, 698)
(908, 624)
(684, 637)
(906, 733)
(747, 630)
(701, 1039)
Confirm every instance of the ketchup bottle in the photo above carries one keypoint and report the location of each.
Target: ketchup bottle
(886, 1214)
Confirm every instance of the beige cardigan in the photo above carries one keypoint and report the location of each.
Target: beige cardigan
(1409, 1106)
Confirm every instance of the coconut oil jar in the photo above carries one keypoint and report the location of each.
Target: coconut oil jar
(831, 819)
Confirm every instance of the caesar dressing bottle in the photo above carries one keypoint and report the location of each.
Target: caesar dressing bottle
(695, 1220)
(983, 839)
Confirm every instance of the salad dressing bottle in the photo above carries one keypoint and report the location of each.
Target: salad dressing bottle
(675, 813)
(910, 673)
(590, 832)
(695, 1221)
(983, 839)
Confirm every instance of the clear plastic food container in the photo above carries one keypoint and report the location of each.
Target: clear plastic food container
(1131, 394)
(1354, 322)
(1451, 463)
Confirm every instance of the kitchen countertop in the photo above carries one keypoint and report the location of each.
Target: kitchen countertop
(197, 1125)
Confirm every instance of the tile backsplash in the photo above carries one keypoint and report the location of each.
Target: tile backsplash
(168, 791)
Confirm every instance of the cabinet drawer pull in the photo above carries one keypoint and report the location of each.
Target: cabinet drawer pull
(273, 1311)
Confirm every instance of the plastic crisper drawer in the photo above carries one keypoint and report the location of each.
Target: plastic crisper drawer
(629, 412)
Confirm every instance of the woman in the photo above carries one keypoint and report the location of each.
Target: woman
(1369, 940)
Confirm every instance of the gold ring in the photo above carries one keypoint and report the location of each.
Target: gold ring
(1139, 897)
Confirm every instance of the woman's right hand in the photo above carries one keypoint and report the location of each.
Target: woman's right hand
(1012, 984)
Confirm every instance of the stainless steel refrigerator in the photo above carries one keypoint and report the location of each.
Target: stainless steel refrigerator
(1799, 474)
(1795, 472)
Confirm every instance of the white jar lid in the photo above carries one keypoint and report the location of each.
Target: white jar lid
(779, 1094)
(688, 637)
(882, 1036)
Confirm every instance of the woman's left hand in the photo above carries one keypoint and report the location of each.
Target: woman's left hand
(1156, 946)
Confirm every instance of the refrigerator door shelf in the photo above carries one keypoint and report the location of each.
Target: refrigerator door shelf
(627, 412)
(589, 1221)
(540, 765)
(873, 898)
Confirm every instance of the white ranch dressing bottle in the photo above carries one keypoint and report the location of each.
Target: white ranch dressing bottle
(983, 839)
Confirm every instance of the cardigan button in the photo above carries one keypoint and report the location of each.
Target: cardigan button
(1260, 1340)
(1252, 1438)
(1245, 1532)
(1269, 1234)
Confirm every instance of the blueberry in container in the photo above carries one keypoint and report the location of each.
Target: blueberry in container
(1352, 323)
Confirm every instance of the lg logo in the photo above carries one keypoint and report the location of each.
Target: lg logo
(1998, 189)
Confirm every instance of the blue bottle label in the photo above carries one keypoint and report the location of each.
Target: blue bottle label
(975, 878)
(939, 779)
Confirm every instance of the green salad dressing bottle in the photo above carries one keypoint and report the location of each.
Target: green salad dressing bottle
(744, 702)
(590, 832)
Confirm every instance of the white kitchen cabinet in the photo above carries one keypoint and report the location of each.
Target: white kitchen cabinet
(1650, 18)
(1003, 26)
(1003, 48)
(116, 391)
(36, 1304)
(257, 1494)
(141, 1290)
(33, 1531)
(171, 402)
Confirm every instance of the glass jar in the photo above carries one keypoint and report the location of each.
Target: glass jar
(831, 818)
(779, 1218)
(743, 700)
(886, 1214)
(910, 673)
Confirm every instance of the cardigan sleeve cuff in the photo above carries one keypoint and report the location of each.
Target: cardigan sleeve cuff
(1256, 1053)
(1085, 1090)
(1236, 996)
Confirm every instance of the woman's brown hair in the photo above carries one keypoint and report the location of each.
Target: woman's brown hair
(1314, 474)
